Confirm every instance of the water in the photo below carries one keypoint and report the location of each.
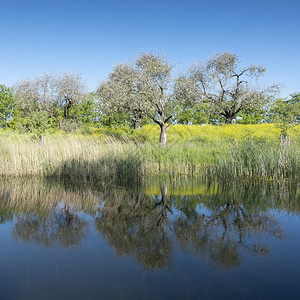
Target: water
(164, 240)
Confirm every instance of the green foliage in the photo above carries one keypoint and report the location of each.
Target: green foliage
(36, 122)
(194, 113)
(251, 115)
(117, 119)
(7, 106)
(286, 113)
(87, 110)
(190, 114)
(295, 102)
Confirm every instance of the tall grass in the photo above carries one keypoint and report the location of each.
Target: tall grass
(68, 156)
(254, 158)
(90, 158)
(129, 158)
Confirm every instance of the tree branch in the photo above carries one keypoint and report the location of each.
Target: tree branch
(168, 119)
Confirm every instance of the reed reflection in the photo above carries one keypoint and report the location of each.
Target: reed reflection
(47, 213)
(218, 222)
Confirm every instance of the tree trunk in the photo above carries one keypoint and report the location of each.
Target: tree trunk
(61, 125)
(163, 135)
(229, 120)
(65, 111)
(164, 190)
(138, 123)
(229, 116)
(68, 111)
(284, 140)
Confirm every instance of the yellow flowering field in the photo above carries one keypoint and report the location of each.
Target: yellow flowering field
(209, 133)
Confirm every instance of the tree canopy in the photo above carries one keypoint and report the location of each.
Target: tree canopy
(216, 91)
(7, 106)
(53, 94)
(285, 113)
(141, 88)
(223, 83)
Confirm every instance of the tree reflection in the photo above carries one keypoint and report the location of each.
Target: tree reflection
(136, 225)
(219, 222)
(229, 222)
(61, 227)
(47, 212)
(221, 235)
(219, 228)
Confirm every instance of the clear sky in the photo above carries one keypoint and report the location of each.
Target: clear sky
(90, 37)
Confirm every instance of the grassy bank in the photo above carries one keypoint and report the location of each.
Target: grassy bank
(120, 156)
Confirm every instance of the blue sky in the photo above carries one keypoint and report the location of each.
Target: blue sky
(90, 37)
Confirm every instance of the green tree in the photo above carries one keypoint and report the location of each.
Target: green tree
(295, 102)
(196, 113)
(36, 122)
(190, 114)
(115, 119)
(251, 115)
(285, 113)
(7, 106)
(87, 110)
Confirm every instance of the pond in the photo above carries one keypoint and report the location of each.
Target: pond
(165, 239)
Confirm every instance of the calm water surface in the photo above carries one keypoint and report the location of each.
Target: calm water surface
(164, 240)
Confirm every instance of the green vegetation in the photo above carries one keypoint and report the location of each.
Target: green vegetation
(51, 126)
(124, 155)
(286, 113)
(7, 105)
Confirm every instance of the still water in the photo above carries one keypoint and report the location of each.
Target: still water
(165, 239)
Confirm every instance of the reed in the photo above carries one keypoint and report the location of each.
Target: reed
(128, 158)
(254, 158)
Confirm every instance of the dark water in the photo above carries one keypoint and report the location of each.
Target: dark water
(163, 240)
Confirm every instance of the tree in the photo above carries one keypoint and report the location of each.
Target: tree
(286, 113)
(87, 110)
(118, 96)
(251, 115)
(54, 94)
(295, 102)
(194, 113)
(222, 82)
(140, 88)
(7, 106)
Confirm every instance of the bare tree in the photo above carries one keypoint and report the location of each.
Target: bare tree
(142, 88)
(55, 94)
(225, 85)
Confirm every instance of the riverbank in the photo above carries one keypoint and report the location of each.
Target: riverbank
(123, 155)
